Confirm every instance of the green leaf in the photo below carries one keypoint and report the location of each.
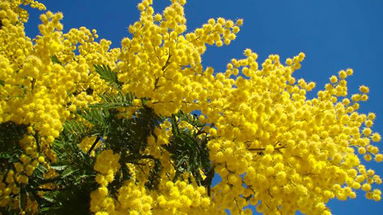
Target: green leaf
(2, 82)
(97, 117)
(59, 168)
(188, 149)
(48, 199)
(114, 101)
(74, 127)
(22, 197)
(55, 59)
(68, 172)
(108, 75)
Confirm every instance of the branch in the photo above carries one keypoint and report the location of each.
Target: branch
(93, 145)
(262, 148)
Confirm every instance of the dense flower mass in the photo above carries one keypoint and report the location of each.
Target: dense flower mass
(127, 113)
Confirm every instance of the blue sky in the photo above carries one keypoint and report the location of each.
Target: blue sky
(334, 35)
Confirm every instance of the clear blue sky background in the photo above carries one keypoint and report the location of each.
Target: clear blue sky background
(334, 35)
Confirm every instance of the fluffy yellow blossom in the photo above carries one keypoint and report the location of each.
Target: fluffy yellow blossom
(272, 145)
(107, 162)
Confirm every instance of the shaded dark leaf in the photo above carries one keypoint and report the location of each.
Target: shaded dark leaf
(55, 59)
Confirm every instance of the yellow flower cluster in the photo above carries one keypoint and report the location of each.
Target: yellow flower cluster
(272, 146)
(269, 136)
(292, 153)
(171, 198)
(39, 92)
(133, 198)
(163, 64)
(183, 198)
(107, 164)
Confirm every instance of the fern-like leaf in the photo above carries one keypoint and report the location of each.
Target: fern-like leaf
(114, 101)
(98, 117)
(108, 75)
